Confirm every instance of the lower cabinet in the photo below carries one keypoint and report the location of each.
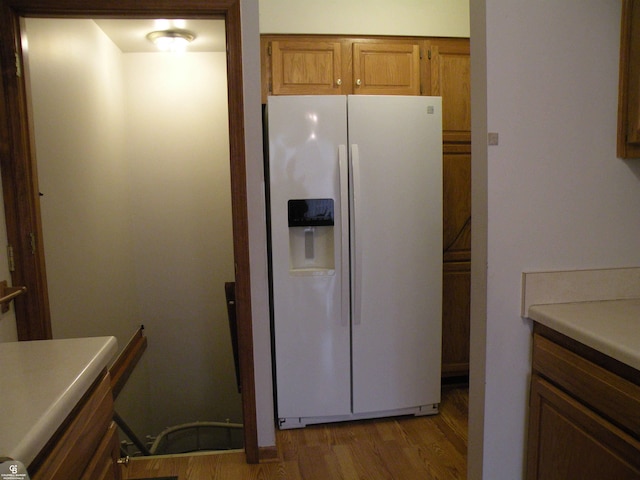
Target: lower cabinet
(103, 465)
(86, 447)
(456, 285)
(582, 418)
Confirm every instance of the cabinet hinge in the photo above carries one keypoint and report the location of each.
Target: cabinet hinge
(10, 259)
(32, 241)
(18, 65)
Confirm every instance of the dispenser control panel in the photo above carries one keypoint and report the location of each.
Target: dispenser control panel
(311, 212)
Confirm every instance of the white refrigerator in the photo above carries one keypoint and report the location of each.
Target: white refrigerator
(355, 223)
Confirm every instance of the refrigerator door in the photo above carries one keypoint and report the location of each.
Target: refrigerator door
(308, 160)
(396, 235)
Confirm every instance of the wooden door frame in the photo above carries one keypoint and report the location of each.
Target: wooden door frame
(19, 174)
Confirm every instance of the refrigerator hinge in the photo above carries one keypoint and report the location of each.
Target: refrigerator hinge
(10, 258)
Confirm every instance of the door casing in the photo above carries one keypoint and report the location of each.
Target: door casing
(20, 181)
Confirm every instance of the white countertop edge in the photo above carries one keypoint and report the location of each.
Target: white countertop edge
(566, 318)
(571, 286)
(45, 427)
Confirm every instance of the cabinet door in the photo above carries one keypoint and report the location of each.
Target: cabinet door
(456, 178)
(450, 68)
(386, 68)
(305, 67)
(569, 441)
(629, 94)
(456, 284)
(69, 455)
(103, 465)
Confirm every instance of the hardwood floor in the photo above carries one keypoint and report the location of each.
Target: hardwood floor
(405, 448)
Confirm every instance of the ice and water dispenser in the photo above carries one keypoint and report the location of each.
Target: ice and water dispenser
(311, 243)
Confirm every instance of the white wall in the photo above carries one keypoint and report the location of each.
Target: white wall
(446, 18)
(77, 86)
(178, 151)
(556, 195)
(133, 157)
(256, 211)
(78, 110)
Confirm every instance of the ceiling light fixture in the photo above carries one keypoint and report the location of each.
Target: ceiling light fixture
(174, 40)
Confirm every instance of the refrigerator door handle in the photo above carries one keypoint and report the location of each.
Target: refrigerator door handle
(357, 240)
(343, 172)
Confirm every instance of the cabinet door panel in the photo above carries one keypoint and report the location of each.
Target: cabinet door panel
(73, 451)
(305, 68)
(450, 79)
(456, 176)
(386, 69)
(456, 284)
(633, 128)
(569, 441)
(629, 93)
(103, 465)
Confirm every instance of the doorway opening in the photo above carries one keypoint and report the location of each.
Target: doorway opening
(20, 182)
(132, 153)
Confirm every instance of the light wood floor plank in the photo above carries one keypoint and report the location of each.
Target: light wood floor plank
(404, 448)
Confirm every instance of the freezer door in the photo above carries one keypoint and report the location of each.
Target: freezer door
(396, 234)
(308, 160)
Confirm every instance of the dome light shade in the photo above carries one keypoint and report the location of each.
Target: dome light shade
(173, 40)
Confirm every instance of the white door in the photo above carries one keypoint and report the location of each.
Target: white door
(310, 295)
(396, 159)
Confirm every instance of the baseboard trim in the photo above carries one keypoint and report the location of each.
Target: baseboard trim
(268, 454)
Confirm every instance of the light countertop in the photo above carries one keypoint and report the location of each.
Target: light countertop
(42, 381)
(611, 327)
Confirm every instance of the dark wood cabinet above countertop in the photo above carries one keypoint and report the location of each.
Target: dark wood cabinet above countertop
(629, 85)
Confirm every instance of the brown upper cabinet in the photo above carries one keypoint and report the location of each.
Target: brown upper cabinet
(629, 87)
(327, 65)
(318, 65)
(305, 67)
(449, 71)
(386, 68)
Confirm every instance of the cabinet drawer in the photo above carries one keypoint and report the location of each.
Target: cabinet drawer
(70, 451)
(610, 395)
